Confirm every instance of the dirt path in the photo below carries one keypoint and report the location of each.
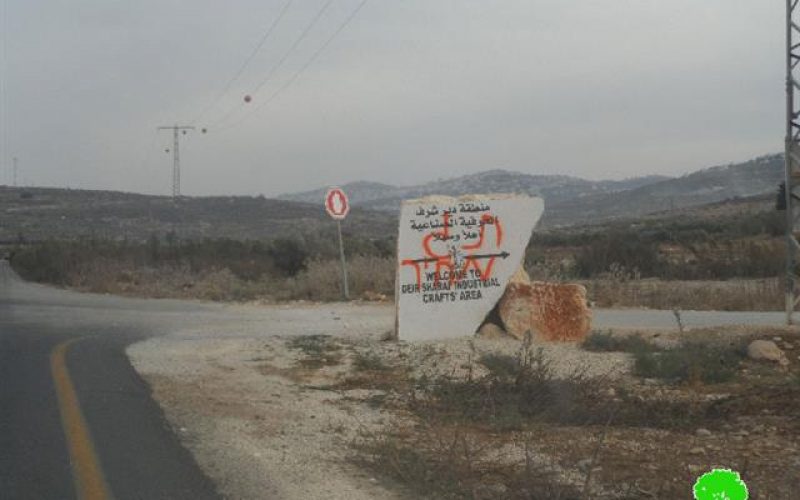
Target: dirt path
(242, 405)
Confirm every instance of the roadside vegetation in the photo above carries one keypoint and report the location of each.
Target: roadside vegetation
(670, 247)
(688, 361)
(489, 424)
(211, 269)
(726, 262)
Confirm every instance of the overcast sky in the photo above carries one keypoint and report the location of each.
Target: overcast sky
(409, 91)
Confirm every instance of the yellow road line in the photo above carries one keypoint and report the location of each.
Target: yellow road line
(86, 471)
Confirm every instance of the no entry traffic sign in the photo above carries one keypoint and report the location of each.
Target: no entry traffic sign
(337, 206)
(336, 203)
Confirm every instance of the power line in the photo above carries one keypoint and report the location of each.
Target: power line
(148, 153)
(305, 66)
(247, 61)
(275, 67)
(293, 47)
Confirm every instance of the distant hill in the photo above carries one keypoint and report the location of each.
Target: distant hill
(41, 213)
(756, 177)
(550, 187)
(571, 200)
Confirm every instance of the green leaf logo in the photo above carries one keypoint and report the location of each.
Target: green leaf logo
(720, 484)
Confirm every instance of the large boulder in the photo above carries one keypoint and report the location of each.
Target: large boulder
(491, 331)
(516, 309)
(766, 350)
(550, 311)
(520, 276)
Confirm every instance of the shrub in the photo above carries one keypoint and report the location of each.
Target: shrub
(501, 366)
(692, 362)
(513, 392)
(369, 362)
(608, 342)
(212, 269)
(313, 346)
(322, 279)
(289, 256)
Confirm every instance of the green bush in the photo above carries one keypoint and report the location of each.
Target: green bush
(289, 256)
(515, 391)
(369, 362)
(691, 362)
(608, 342)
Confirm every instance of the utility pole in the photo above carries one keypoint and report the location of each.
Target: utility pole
(792, 155)
(176, 158)
(15, 160)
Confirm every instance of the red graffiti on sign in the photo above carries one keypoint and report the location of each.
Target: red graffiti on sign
(458, 259)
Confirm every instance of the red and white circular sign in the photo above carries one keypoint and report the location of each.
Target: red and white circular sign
(336, 203)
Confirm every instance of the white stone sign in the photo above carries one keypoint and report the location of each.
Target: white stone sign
(455, 257)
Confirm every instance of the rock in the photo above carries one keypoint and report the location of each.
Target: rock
(698, 450)
(516, 309)
(776, 339)
(371, 296)
(766, 350)
(702, 432)
(560, 311)
(520, 276)
(492, 332)
(550, 311)
(694, 469)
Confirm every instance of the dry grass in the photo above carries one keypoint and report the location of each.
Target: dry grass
(499, 424)
(473, 436)
(515, 430)
(732, 295)
(372, 276)
(321, 281)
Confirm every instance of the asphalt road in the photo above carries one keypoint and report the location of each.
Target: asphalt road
(77, 422)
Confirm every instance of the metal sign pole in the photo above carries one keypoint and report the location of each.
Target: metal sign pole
(345, 290)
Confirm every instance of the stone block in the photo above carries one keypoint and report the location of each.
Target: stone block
(455, 258)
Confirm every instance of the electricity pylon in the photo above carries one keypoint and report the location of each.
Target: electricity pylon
(792, 155)
(176, 158)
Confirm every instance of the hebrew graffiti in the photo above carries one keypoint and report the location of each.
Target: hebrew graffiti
(457, 248)
(458, 253)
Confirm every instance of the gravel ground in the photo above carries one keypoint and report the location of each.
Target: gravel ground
(252, 426)
(252, 410)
